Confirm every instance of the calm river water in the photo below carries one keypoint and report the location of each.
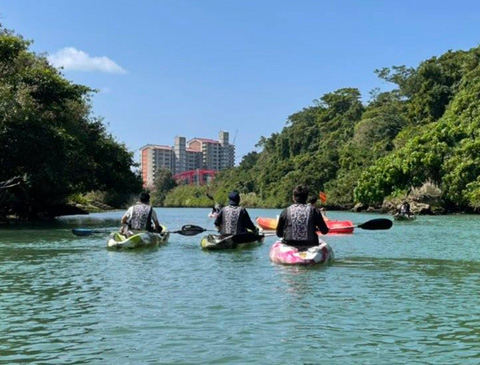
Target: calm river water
(409, 295)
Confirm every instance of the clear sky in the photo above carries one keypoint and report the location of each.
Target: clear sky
(195, 67)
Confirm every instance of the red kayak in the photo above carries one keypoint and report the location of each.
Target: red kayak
(335, 226)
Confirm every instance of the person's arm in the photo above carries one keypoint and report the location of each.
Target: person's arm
(219, 219)
(127, 215)
(158, 227)
(248, 222)
(319, 222)
(124, 221)
(281, 223)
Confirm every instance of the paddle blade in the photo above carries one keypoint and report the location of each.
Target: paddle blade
(190, 230)
(322, 196)
(376, 224)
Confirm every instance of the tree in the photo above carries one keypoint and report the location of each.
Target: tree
(163, 183)
(49, 137)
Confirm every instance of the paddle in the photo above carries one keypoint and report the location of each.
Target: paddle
(371, 225)
(191, 230)
(186, 230)
(216, 207)
(323, 197)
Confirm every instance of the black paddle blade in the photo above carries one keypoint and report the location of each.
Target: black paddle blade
(209, 196)
(376, 224)
(190, 230)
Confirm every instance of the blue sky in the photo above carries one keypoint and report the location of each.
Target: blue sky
(195, 67)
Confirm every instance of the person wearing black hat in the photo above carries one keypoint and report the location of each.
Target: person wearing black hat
(298, 224)
(234, 219)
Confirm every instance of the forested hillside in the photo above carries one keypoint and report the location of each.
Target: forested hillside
(425, 130)
(51, 145)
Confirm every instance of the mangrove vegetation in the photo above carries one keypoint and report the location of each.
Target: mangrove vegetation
(422, 135)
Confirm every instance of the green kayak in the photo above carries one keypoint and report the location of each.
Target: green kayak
(144, 239)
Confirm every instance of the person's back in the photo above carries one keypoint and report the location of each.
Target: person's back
(298, 223)
(139, 217)
(233, 219)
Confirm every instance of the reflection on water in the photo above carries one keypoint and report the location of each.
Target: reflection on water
(407, 295)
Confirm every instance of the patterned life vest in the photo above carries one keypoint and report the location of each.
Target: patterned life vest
(230, 219)
(299, 215)
(139, 218)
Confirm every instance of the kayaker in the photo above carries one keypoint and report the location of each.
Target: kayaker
(405, 209)
(233, 219)
(139, 217)
(298, 224)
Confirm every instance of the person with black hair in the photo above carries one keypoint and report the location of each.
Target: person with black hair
(234, 219)
(298, 224)
(139, 218)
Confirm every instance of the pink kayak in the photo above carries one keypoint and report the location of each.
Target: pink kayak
(281, 253)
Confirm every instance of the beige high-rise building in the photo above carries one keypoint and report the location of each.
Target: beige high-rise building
(183, 157)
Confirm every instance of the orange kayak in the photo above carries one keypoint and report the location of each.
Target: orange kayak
(267, 224)
(335, 226)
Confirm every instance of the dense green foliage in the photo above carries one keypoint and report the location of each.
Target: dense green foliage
(163, 183)
(425, 129)
(49, 137)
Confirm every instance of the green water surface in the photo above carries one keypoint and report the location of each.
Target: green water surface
(409, 295)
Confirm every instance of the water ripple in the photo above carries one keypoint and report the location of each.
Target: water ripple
(407, 295)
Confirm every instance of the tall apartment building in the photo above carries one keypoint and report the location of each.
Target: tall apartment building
(197, 153)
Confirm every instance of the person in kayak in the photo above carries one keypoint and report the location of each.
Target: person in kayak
(139, 217)
(298, 224)
(233, 219)
(405, 209)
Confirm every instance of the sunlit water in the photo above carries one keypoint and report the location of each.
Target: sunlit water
(407, 295)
